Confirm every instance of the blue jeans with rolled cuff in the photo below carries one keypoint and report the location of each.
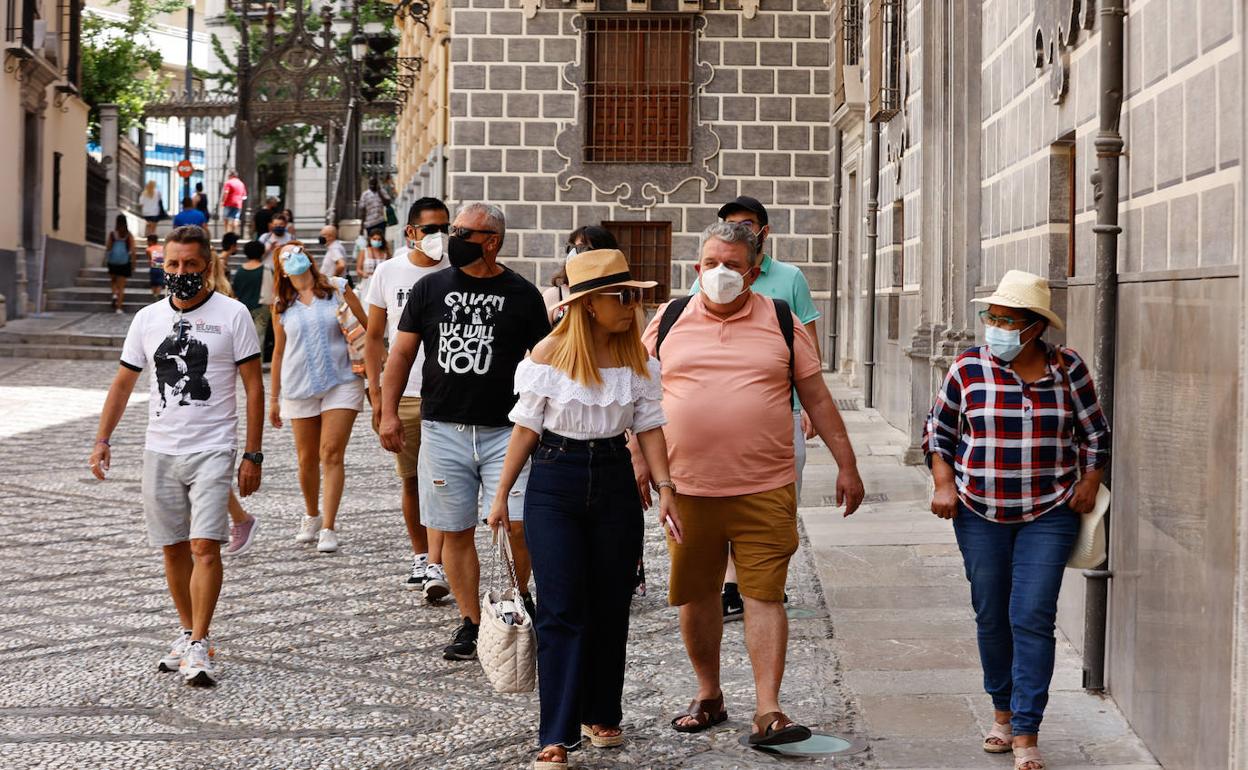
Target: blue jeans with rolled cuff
(1015, 571)
(583, 527)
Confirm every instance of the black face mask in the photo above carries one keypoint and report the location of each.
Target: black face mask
(463, 252)
(184, 286)
(279, 230)
(320, 239)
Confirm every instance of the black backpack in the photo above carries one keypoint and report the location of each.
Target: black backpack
(674, 309)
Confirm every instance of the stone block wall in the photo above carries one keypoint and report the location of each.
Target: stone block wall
(513, 92)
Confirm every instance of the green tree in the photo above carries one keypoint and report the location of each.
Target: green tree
(120, 65)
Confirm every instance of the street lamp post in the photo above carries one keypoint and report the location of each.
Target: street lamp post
(186, 120)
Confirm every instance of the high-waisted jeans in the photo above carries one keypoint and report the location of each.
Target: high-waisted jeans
(1015, 572)
(583, 526)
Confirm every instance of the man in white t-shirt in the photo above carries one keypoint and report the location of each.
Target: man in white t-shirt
(425, 237)
(197, 342)
(335, 261)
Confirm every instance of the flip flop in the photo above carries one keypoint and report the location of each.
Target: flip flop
(765, 733)
(706, 714)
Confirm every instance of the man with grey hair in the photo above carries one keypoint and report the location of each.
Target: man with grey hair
(729, 358)
(476, 322)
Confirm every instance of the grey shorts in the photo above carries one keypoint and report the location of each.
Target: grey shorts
(187, 497)
(459, 470)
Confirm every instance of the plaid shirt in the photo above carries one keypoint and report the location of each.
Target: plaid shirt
(1016, 448)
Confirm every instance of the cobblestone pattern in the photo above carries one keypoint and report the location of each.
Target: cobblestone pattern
(767, 102)
(325, 661)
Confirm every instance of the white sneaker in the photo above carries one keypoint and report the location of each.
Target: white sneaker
(172, 660)
(436, 586)
(327, 542)
(308, 527)
(197, 664)
(416, 579)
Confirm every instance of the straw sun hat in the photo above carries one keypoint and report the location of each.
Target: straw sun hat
(1019, 289)
(592, 271)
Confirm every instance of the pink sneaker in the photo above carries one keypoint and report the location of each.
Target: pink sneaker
(241, 537)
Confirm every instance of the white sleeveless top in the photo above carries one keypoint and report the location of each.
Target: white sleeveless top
(550, 400)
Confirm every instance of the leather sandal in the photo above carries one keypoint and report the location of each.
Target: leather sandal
(1000, 739)
(1028, 758)
(705, 713)
(600, 741)
(775, 729)
(547, 758)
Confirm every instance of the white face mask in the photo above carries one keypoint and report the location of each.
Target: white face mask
(434, 246)
(722, 284)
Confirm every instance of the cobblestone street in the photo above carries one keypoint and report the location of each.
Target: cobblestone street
(325, 660)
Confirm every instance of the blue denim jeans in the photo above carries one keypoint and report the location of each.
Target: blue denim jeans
(1015, 572)
(583, 527)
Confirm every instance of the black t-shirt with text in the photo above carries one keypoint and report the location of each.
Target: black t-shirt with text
(475, 332)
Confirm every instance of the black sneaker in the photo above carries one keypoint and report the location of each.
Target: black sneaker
(465, 645)
(416, 579)
(529, 606)
(734, 608)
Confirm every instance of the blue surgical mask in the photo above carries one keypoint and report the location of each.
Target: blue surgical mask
(1005, 344)
(377, 243)
(296, 263)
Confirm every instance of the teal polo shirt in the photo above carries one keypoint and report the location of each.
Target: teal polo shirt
(787, 282)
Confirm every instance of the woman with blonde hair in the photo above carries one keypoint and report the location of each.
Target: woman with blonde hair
(151, 207)
(584, 387)
(312, 384)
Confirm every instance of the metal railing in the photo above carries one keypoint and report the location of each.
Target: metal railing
(333, 211)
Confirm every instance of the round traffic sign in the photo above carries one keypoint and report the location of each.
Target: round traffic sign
(185, 169)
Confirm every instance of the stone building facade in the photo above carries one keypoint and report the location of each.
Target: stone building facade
(515, 100)
(987, 162)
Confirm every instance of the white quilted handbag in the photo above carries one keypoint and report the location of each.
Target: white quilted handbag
(506, 643)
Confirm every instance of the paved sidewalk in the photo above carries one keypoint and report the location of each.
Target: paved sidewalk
(905, 632)
(325, 661)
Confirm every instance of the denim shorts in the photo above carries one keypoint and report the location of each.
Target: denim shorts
(231, 212)
(459, 470)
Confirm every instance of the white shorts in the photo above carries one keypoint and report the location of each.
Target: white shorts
(186, 497)
(349, 395)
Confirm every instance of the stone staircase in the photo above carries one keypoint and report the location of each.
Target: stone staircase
(80, 323)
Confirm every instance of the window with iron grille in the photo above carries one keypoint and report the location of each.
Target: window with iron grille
(639, 89)
(846, 44)
(886, 47)
(648, 246)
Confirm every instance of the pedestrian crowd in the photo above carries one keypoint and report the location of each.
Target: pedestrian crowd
(558, 418)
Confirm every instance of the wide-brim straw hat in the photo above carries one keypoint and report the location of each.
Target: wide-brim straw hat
(592, 271)
(1026, 291)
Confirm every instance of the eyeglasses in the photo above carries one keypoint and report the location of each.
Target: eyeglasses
(626, 296)
(468, 232)
(431, 229)
(1002, 321)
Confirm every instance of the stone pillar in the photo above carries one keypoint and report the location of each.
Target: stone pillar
(110, 138)
(1239, 683)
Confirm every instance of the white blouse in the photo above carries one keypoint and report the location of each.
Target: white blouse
(550, 400)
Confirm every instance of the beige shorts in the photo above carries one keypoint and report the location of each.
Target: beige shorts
(762, 529)
(406, 462)
(349, 395)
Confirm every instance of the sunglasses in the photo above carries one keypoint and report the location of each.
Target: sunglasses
(431, 229)
(468, 232)
(626, 296)
(1000, 321)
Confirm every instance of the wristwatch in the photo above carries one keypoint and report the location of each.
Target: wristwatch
(255, 457)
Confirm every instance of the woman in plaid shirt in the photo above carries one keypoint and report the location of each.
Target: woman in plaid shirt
(1017, 444)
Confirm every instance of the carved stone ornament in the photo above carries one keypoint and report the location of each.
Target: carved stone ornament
(1057, 31)
(749, 8)
(636, 185)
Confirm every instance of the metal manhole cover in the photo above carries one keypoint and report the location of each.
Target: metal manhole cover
(874, 498)
(847, 404)
(800, 613)
(817, 745)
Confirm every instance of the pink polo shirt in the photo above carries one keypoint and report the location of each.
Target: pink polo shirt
(726, 396)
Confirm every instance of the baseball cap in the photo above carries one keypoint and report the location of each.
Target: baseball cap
(744, 203)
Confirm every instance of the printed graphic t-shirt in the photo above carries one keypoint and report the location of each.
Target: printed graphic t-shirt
(388, 289)
(475, 332)
(195, 355)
